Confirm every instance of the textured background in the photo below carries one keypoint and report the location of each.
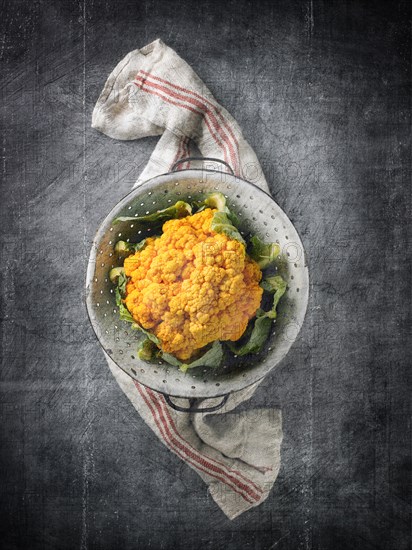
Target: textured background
(322, 92)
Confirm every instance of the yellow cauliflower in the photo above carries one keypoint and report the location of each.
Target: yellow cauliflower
(192, 286)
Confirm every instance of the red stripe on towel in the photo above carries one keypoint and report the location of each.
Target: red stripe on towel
(143, 87)
(214, 464)
(225, 122)
(180, 450)
(216, 132)
(230, 470)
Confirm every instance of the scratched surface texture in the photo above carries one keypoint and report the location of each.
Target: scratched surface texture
(322, 92)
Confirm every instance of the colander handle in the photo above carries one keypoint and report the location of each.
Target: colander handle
(187, 159)
(192, 408)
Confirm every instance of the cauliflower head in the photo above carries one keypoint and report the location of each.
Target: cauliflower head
(192, 286)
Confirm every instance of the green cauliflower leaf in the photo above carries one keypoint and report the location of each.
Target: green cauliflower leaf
(211, 358)
(263, 253)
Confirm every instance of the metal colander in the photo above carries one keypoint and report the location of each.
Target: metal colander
(258, 214)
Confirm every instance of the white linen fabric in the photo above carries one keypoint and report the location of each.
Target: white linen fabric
(153, 91)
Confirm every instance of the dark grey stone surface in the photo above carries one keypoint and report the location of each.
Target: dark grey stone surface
(322, 92)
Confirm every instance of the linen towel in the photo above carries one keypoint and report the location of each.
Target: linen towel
(153, 91)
